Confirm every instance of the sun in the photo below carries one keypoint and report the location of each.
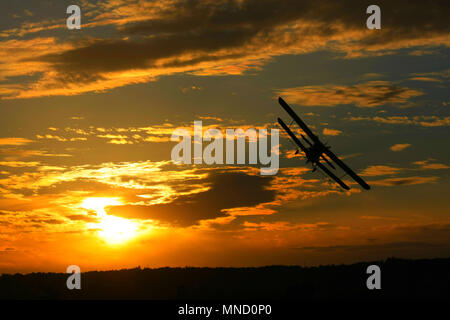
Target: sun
(112, 229)
(115, 230)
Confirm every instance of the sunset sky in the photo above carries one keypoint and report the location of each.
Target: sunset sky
(86, 176)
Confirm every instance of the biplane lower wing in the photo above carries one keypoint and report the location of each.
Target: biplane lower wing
(344, 167)
(332, 176)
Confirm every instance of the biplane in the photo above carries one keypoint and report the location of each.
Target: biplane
(317, 151)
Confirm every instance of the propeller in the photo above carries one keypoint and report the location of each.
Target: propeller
(322, 156)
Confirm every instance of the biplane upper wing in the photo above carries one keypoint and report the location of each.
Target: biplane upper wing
(321, 166)
(297, 119)
(344, 167)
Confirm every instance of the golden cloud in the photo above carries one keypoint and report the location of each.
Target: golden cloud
(404, 181)
(428, 165)
(19, 164)
(331, 132)
(368, 94)
(14, 141)
(400, 147)
(380, 171)
(423, 121)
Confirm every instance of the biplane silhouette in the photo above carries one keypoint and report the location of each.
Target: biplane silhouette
(317, 151)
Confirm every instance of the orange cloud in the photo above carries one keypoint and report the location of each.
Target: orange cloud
(427, 165)
(331, 132)
(400, 147)
(426, 79)
(285, 226)
(404, 181)
(14, 141)
(435, 166)
(380, 171)
(423, 121)
(369, 94)
(19, 164)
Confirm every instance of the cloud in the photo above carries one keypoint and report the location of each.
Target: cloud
(435, 166)
(420, 52)
(50, 136)
(381, 170)
(286, 226)
(243, 190)
(191, 88)
(436, 122)
(19, 164)
(423, 121)
(379, 218)
(427, 165)
(159, 193)
(132, 135)
(439, 76)
(368, 94)
(373, 171)
(13, 154)
(83, 217)
(426, 79)
(331, 132)
(404, 181)
(18, 58)
(14, 141)
(212, 38)
(289, 154)
(400, 147)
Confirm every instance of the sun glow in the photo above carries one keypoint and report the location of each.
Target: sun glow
(113, 230)
(99, 204)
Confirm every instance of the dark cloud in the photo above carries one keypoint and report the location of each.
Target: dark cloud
(47, 221)
(241, 190)
(204, 28)
(402, 17)
(86, 62)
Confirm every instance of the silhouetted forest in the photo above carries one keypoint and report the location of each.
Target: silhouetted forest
(400, 279)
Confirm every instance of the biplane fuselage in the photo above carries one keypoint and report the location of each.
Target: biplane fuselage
(314, 153)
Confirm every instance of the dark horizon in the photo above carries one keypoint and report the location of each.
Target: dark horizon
(401, 279)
